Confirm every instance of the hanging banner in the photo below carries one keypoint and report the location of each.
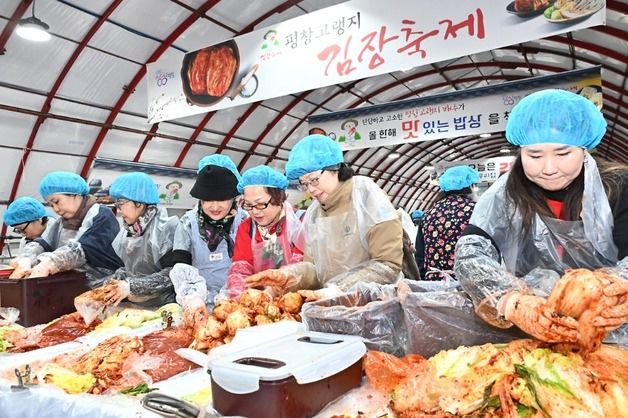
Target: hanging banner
(173, 184)
(449, 115)
(349, 41)
(489, 168)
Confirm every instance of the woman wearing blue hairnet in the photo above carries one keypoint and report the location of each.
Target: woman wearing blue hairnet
(444, 222)
(204, 241)
(352, 231)
(28, 218)
(144, 244)
(270, 237)
(553, 211)
(79, 239)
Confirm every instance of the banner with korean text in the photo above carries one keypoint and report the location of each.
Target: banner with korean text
(348, 41)
(465, 112)
(173, 184)
(489, 168)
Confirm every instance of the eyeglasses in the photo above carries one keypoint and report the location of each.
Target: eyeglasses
(121, 202)
(22, 230)
(303, 185)
(258, 206)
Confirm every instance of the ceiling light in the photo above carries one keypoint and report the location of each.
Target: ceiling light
(394, 155)
(485, 135)
(505, 150)
(33, 29)
(429, 167)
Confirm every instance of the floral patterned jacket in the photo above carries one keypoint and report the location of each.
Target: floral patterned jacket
(442, 226)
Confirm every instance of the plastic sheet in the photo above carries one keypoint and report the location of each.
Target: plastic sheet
(359, 402)
(385, 371)
(440, 316)
(370, 271)
(47, 401)
(370, 310)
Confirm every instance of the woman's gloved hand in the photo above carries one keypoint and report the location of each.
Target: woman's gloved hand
(115, 291)
(616, 314)
(195, 312)
(22, 268)
(280, 279)
(44, 269)
(529, 313)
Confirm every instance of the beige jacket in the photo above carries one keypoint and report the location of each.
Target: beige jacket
(385, 243)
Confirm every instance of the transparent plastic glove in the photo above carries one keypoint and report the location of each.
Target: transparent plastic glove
(10, 314)
(273, 278)
(118, 290)
(236, 278)
(44, 269)
(616, 314)
(529, 313)
(22, 268)
(195, 312)
(187, 282)
(94, 302)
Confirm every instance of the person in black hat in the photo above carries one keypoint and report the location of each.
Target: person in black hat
(205, 237)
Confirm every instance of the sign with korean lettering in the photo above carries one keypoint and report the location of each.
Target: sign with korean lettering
(173, 184)
(348, 41)
(489, 168)
(449, 115)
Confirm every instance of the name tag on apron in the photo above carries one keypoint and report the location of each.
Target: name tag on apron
(215, 257)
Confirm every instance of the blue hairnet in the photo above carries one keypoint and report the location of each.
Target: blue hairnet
(62, 182)
(314, 152)
(22, 210)
(138, 187)
(417, 214)
(221, 161)
(458, 178)
(555, 116)
(262, 175)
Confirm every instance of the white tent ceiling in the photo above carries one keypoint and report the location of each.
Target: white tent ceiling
(83, 94)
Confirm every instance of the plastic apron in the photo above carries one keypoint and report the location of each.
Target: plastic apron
(278, 250)
(558, 245)
(57, 236)
(551, 243)
(213, 266)
(334, 243)
(141, 255)
(339, 243)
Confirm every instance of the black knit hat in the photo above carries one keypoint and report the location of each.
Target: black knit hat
(215, 183)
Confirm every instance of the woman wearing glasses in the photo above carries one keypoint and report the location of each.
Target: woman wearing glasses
(352, 231)
(79, 239)
(28, 218)
(269, 238)
(205, 237)
(144, 244)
